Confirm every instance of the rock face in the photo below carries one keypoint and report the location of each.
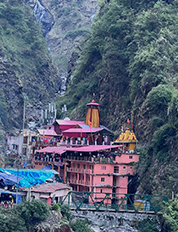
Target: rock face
(64, 24)
(44, 16)
(113, 221)
(53, 224)
(12, 91)
(25, 64)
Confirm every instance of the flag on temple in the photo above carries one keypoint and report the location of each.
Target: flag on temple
(90, 124)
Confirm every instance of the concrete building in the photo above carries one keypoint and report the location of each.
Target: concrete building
(52, 192)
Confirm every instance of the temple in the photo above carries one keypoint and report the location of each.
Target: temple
(87, 160)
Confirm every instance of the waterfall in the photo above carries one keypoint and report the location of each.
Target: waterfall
(44, 16)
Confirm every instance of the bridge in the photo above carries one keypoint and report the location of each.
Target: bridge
(133, 203)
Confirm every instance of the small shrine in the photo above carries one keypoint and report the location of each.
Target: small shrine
(128, 139)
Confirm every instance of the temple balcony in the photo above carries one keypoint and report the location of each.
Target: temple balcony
(77, 170)
(80, 182)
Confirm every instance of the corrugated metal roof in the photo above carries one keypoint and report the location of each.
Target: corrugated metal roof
(49, 188)
(82, 130)
(93, 148)
(49, 132)
(56, 150)
(69, 122)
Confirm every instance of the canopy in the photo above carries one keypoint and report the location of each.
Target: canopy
(28, 177)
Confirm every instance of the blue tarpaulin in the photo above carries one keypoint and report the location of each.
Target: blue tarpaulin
(47, 167)
(28, 177)
(14, 195)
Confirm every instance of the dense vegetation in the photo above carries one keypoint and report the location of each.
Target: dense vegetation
(130, 62)
(25, 63)
(76, 226)
(23, 217)
(170, 216)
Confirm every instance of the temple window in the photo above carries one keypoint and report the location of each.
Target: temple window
(78, 165)
(73, 165)
(130, 157)
(116, 169)
(103, 167)
(102, 179)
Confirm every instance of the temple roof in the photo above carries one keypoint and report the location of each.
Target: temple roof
(127, 137)
(93, 103)
(93, 148)
(68, 122)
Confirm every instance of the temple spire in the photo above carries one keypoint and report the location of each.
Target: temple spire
(92, 117)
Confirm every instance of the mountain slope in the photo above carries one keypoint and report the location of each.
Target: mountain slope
(26, 66)
(130, 62)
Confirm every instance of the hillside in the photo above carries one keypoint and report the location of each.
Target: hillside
(25, 64)
(130, 63)
(64, 24)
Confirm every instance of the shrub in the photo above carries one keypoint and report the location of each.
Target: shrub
(80, 226)
(33, 212)
(148, 225)
(65, 211)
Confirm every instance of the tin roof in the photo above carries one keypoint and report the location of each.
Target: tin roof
(82, 130)
(49, 188)
(93, 148)
(68, 122)
(56, 150)
(49, 132)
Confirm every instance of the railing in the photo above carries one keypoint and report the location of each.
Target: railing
(114, 202)
(77, 170)
(80, 182)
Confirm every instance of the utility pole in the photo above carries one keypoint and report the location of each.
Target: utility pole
(23, 127)
(17, 189)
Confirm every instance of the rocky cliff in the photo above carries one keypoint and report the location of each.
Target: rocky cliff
(25, 63)
(64, 24)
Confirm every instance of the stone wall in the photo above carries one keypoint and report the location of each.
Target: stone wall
(113, 221)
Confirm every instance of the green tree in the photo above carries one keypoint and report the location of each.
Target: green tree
(33, 212)
(10, 221)
(80, 226)
(170, 215)
(3, 107)
(65, 211)
(148, 225)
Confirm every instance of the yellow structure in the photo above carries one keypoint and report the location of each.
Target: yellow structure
(127, 138)
(92, 117)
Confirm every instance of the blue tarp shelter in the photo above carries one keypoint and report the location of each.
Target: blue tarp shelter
(28, 177)
(4, 193)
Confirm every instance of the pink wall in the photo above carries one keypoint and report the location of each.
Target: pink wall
(97, 180)
(49, 201)
(126, 158)
(103, 168)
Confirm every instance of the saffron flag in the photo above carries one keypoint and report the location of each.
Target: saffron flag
(128, 121)
(90, 124)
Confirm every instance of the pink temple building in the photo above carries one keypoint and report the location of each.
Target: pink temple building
(86, 160)
(101, 169)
